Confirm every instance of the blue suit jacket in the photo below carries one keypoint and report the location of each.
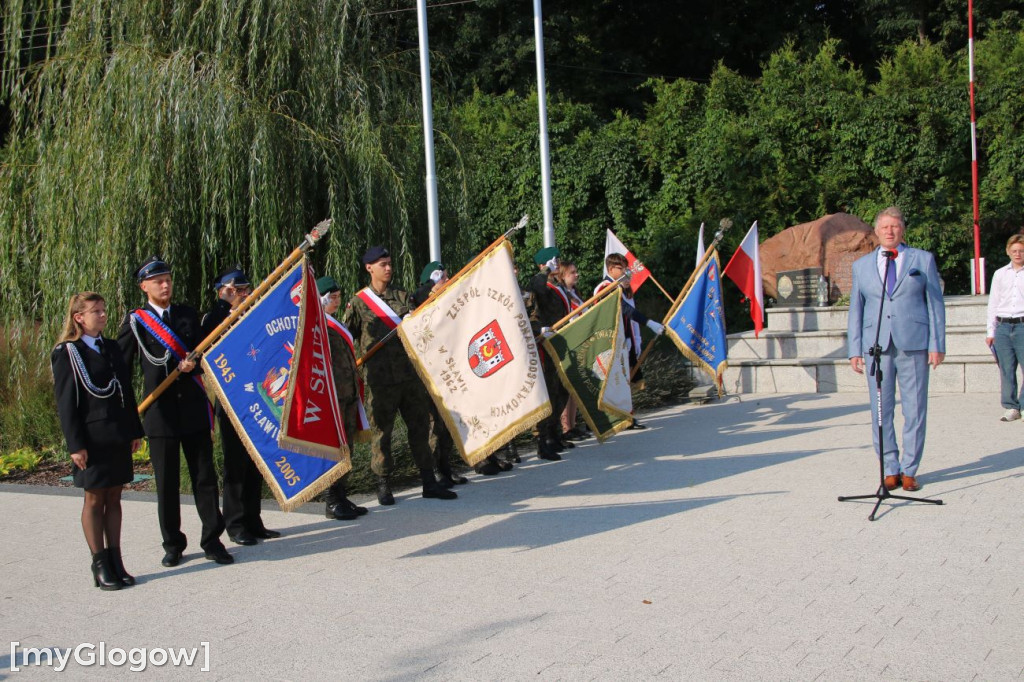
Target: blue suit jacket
(914, 319)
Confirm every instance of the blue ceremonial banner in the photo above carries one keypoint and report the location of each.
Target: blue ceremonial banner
(697, 324)
(250, 368)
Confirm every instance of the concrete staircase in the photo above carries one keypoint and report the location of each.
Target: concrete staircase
(803, 350)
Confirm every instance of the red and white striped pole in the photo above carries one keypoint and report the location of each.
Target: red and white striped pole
(979, 277)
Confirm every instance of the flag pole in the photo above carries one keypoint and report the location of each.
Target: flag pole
(308, 242)
(480, 256)
(724, 225)
(614, 286)
(655, 280)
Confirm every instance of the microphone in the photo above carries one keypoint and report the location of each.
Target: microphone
(891, 255)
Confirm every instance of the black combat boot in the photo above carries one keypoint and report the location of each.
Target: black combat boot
(384, 495)
(546, 450)
(447, 478)
(487, 467)
(335, 507)
(432, 489)
(353, 507)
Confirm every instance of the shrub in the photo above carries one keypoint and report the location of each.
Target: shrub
(22, 459)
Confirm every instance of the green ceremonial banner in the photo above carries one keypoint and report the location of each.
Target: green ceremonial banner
(593, 363)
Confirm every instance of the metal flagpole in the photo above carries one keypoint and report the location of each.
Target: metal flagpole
(723, 225)
(433, 294)
(308, 242)
(433, 221)
(979, 276)
(545, 155)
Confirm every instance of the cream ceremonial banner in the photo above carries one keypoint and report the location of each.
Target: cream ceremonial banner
(477, 355)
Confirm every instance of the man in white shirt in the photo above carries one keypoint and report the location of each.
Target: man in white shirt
(1005, 334)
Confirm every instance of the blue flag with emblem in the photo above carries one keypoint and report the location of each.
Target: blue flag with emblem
(697, 322)
(251, 366)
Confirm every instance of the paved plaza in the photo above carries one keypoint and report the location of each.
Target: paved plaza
(709, 547)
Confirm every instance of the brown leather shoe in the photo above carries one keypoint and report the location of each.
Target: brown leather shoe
(910, 483)
(892, 482)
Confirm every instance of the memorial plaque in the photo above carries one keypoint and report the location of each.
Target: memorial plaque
(799, 288)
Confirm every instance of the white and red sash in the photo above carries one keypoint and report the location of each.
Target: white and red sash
(364, 422)
(561, 295)
(574, 300)
(379, 308)
(633, 329)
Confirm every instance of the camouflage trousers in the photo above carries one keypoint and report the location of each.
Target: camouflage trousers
(441, 442)
(408, 398)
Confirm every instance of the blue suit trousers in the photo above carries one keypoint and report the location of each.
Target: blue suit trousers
(910, 370)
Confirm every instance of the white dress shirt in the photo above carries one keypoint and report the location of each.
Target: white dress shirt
(159, 311)
(91, 342)
(897, 263)
(1005, 296)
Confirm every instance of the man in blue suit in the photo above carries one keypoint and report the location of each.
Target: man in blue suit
(913, 336)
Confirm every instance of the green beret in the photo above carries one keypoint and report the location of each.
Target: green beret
(326, 285)
(428, 272)
(546, 254)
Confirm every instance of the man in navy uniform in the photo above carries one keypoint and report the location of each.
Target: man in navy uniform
(161, 334)
(243, 484)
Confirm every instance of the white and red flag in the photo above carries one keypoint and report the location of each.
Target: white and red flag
(744, 269)
(636, 268)
(700, 245)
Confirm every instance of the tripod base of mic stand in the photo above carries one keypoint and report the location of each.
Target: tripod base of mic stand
(883, 494)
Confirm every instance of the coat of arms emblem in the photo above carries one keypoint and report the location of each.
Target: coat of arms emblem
(488, 351)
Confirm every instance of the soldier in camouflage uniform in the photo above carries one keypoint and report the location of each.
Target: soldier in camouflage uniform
(394, 386)
(346, 388)
(433, 277)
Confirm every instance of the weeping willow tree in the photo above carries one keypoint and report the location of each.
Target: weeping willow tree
(208, 131)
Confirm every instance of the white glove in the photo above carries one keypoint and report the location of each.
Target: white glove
(552, 264)
(546, 332)
(656, 327)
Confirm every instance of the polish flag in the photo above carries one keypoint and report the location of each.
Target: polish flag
(745, 270)
(637, 269)
(700, 246)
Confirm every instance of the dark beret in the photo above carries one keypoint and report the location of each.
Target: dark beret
(374, 254)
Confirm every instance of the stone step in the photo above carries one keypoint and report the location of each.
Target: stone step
(775, 345)
(960, 310)
(807, 319)
(958, 374)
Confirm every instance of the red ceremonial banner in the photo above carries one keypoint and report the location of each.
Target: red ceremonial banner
(311, 420)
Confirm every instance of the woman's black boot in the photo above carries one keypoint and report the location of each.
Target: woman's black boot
(102, 573)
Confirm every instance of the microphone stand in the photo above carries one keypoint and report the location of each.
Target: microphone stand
(876, 369)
